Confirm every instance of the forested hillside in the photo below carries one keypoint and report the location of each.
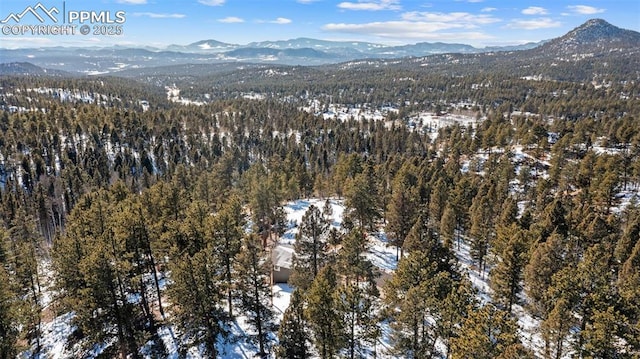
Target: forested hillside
(140, 216)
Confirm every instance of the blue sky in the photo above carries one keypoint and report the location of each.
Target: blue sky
(476, 22)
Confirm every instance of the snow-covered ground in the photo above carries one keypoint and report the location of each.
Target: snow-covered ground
(430, 123)
(173, 95)
(57, 331)
(345, 112)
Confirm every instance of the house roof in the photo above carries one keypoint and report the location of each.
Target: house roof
(282, 256)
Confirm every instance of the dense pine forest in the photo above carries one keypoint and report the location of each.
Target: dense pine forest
(140, 215)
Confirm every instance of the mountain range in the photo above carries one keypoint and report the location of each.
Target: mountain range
(596, 37)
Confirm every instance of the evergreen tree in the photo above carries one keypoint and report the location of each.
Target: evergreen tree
(482, 225)
(310, 248)
(129, 228)
(600, 336)
(8, 316)
(488, 333)
(226, 231)
(265, 197)
(556, 327)
(356, 304)
(23, 258)
(255, 289)
(105, 303)
(293, 336)
(323, 315)
(417, 292)
(596, 294)
(546, 259)
(327, 211)
(629, 286)
(351, 261)
(401, 213)
(198, 296)
(452, 310)
(361, 199)
(358, 295)
(507, 275)
(448, 225)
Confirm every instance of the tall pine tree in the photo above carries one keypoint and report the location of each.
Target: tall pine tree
(254, 285)
(293, 335)
(323, 314)
(310, 248)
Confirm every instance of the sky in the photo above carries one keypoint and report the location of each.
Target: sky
(159, 23)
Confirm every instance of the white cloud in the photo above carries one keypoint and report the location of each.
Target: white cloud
(488, 9)
(371, 5)
(406, 30)
(533, 24)
(212, 2)
(281, 21)
(451, 19)
(585, 10)
(535, 10)
(132, 2)
(155, 15)
(425, 26)
(231, 20)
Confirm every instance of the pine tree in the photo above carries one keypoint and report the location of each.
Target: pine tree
(596, 291)
(107, 272)
(356, 304)
(417, 292)
(293, 336)
(401, 212)
(358, 295)
(129, 228)
(452, 310)
(346, 168)
(448, 226)
(507, 275)
(310, 248)
(255, 289)
(437, 202)
(351, 261)
(629, 287)
(26, 252)
(323, 314)
(8, 316)
(105, 303)
(265, 197)
(197, 297)
(556, 327)
(361, 199)
(488, 333)
(327, 211)
(226, 231)
(546, 259)
(482, 225)
(600, 337)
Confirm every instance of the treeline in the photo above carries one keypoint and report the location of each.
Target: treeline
(143, 215)
(413, 89)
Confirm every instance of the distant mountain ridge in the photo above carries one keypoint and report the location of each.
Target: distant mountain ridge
(28, 69)
(594, 37)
